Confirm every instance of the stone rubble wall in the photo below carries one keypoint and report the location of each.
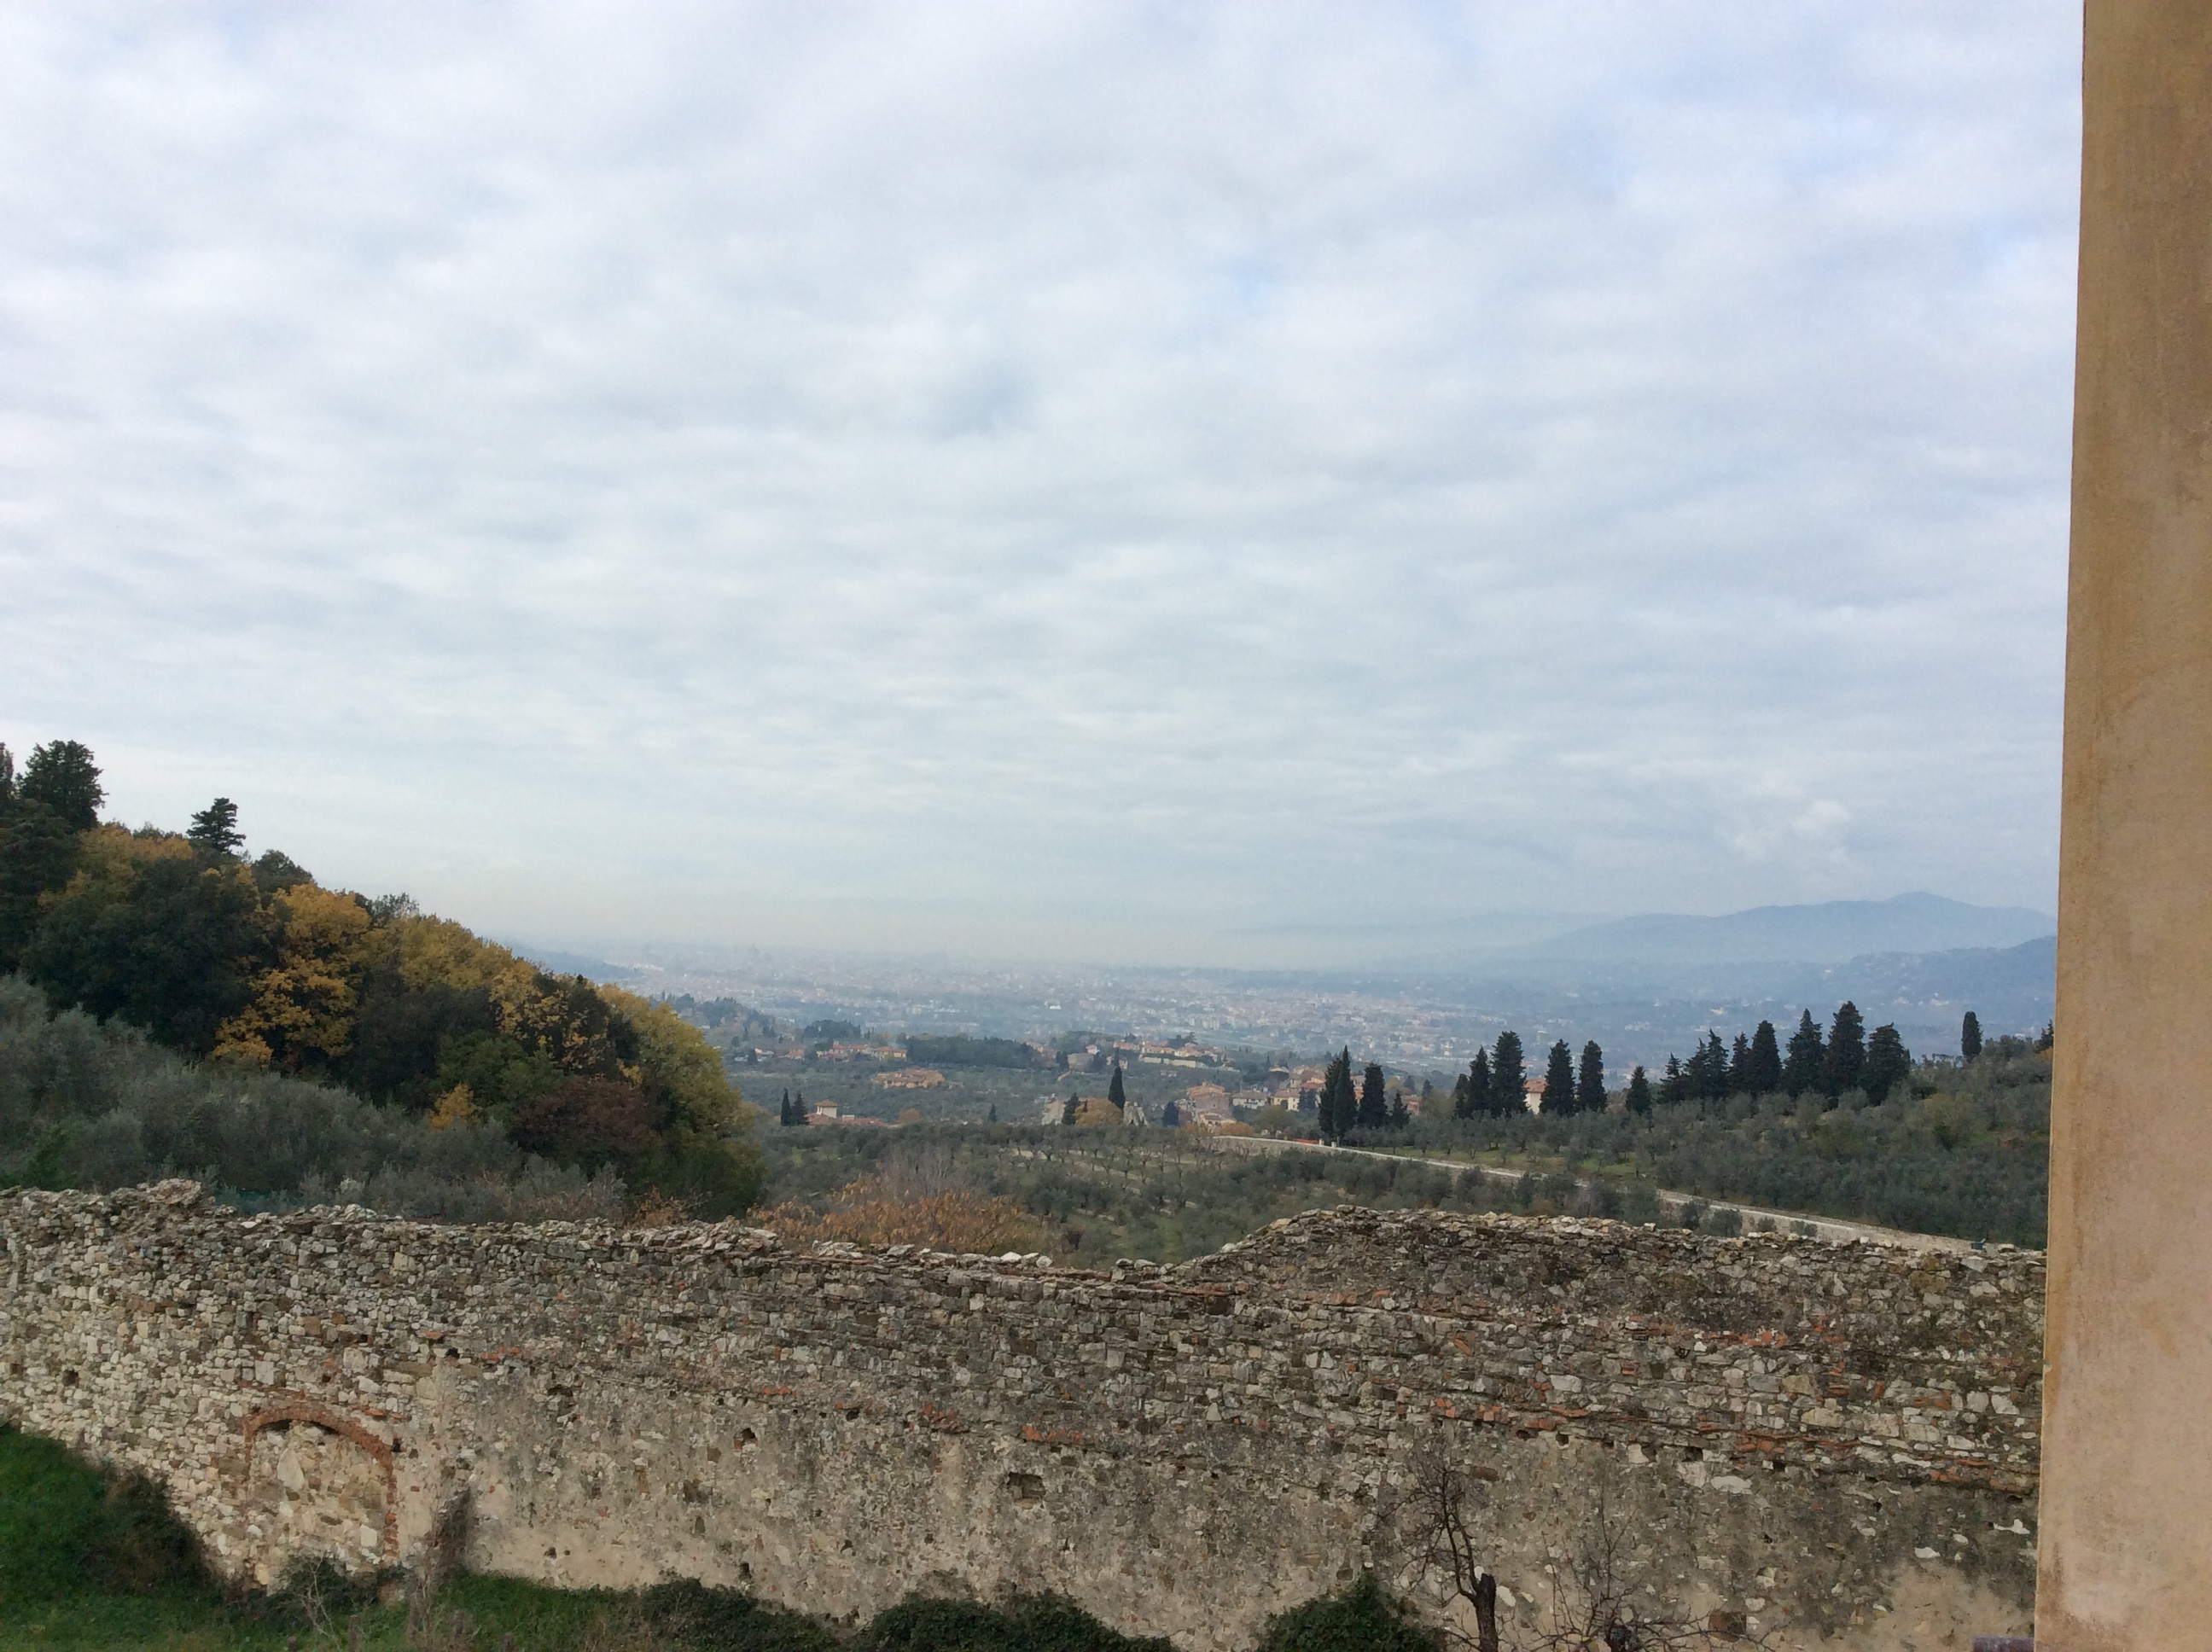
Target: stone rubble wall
(1837, 1443)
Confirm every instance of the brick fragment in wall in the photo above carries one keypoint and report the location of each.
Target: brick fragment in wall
(1825, 1438)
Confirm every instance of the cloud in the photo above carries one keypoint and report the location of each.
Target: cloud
(1085, 478)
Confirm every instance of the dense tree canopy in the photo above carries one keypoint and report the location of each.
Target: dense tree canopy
(258, 966)
(1847, 1061)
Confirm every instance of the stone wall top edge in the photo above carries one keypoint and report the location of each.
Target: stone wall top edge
(183, 1203)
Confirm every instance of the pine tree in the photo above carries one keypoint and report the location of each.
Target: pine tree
(1114, 1093)
(1589, 1085)
(1509, 1075)
(1559, 1079)
(1806, 1067)
(214, 829)
(62, 775)
(1374, 1103)
(1888, 1063)
(1970, 1037)
(1765, 1073)
(1639, 1092)
(1739, 1067)
(1846, 1050)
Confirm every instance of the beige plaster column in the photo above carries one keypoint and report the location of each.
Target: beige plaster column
(2126, 1530)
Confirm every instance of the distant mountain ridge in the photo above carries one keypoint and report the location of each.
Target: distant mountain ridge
(1830, 932)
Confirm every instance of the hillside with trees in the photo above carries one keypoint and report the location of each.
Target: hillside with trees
(301, 1006)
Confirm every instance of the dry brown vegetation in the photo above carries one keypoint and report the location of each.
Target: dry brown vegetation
(916, 1199)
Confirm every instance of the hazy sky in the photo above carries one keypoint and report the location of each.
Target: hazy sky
(1165, 482)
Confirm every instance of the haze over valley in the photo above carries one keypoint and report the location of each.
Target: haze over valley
(1628, 984)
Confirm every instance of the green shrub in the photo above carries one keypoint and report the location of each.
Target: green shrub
(1021, 1623)
(67, 1527)
(1361, 1619)
(703, 1619)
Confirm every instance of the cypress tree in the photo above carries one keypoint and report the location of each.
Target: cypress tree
(1888, 1063)
(1400, 1116)
(1509, 1075)
(1717, 1068)
(1763, 1073)
(1114, 1093)
(1459, 1108)
(1590, 1086)
(1477, 1086)
(1739, 1066)
(1846, 1050)
(1705, 1075)
(1340, 1107)
(1559, 1079)
(1374, 1103)
(1970, 1037)
(1639, 1092)
(1675, 1086)
(1171, 1115)
(1806, 1067)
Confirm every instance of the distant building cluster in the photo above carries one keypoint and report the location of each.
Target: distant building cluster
(912, 1078)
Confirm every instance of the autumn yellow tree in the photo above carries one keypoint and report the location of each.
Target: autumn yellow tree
(302, 1010)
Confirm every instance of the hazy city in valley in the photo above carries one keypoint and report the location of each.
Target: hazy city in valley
(962, 829)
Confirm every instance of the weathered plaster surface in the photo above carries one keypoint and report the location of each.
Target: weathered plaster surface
(2127, 1556)
(1832, 1440)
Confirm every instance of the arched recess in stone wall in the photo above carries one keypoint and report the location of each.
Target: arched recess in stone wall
(318, 1482)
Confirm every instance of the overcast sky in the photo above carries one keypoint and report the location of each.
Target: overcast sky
(1159, 483)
